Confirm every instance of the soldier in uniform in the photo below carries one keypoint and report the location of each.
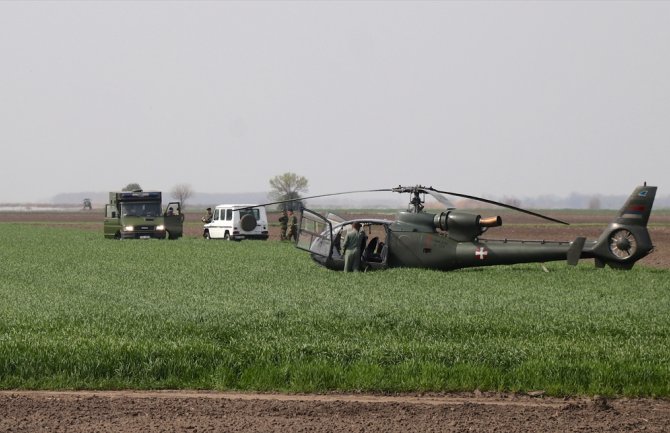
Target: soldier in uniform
(208, 216)
(351, 249)
(292, 234)
(283, 225)
(363, 240)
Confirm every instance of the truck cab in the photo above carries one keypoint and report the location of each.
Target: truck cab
(140, 215)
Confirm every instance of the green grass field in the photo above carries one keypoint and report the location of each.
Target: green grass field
(79, 311)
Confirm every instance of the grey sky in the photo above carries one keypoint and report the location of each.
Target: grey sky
(499, 98)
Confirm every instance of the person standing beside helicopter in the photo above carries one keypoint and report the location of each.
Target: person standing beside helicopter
(283, 225)
(292, 230)
(351, 249)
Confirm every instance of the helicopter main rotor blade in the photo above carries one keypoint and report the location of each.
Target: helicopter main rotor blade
(439, 197)
(318, 196)
(518, 209)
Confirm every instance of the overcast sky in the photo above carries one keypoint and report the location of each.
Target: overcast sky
(496, 98)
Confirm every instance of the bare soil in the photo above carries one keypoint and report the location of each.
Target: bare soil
(185, 411)
(172, 411)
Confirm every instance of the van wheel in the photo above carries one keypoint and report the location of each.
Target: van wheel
(117, 236)
(206, 235)
(226, 236)
(248, 222)
(167, 235)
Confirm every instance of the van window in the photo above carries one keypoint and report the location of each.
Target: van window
(254, 211)
(229, 214)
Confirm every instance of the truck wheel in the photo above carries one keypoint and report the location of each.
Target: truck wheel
(167, 235)
(117, 236)
(206, 235)
(226, 236)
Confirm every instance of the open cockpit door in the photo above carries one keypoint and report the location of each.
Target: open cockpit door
(334, 219)
(316, 234)
(375, 252)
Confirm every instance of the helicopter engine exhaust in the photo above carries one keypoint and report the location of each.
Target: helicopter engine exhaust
(495, 221)
(464, 226)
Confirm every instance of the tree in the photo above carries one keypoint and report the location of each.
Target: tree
(182, 192)
(288, 186)
(132, 187)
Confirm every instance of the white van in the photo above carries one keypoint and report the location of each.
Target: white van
(237, 222)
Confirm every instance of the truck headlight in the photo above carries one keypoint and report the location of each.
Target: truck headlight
(160, 228)
(129, 228)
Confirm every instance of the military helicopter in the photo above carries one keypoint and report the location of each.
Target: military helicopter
(452, 239)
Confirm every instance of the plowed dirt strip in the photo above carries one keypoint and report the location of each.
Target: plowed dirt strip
(193, 411)
(455, 399)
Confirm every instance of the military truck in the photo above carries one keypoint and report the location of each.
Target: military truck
(139, 215)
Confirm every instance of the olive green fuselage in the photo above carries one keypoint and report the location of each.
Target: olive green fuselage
(437, 251)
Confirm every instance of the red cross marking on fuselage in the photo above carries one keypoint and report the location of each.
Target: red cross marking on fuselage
(481, 253)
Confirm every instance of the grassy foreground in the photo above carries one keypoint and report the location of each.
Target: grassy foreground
(78, 311)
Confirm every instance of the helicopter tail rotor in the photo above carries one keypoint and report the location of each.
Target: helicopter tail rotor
(626, 239)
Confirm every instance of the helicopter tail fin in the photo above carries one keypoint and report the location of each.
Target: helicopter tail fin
(575, 251)
(626, 239)
(637, 209)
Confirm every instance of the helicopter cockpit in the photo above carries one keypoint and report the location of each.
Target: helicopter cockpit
(322, 237)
